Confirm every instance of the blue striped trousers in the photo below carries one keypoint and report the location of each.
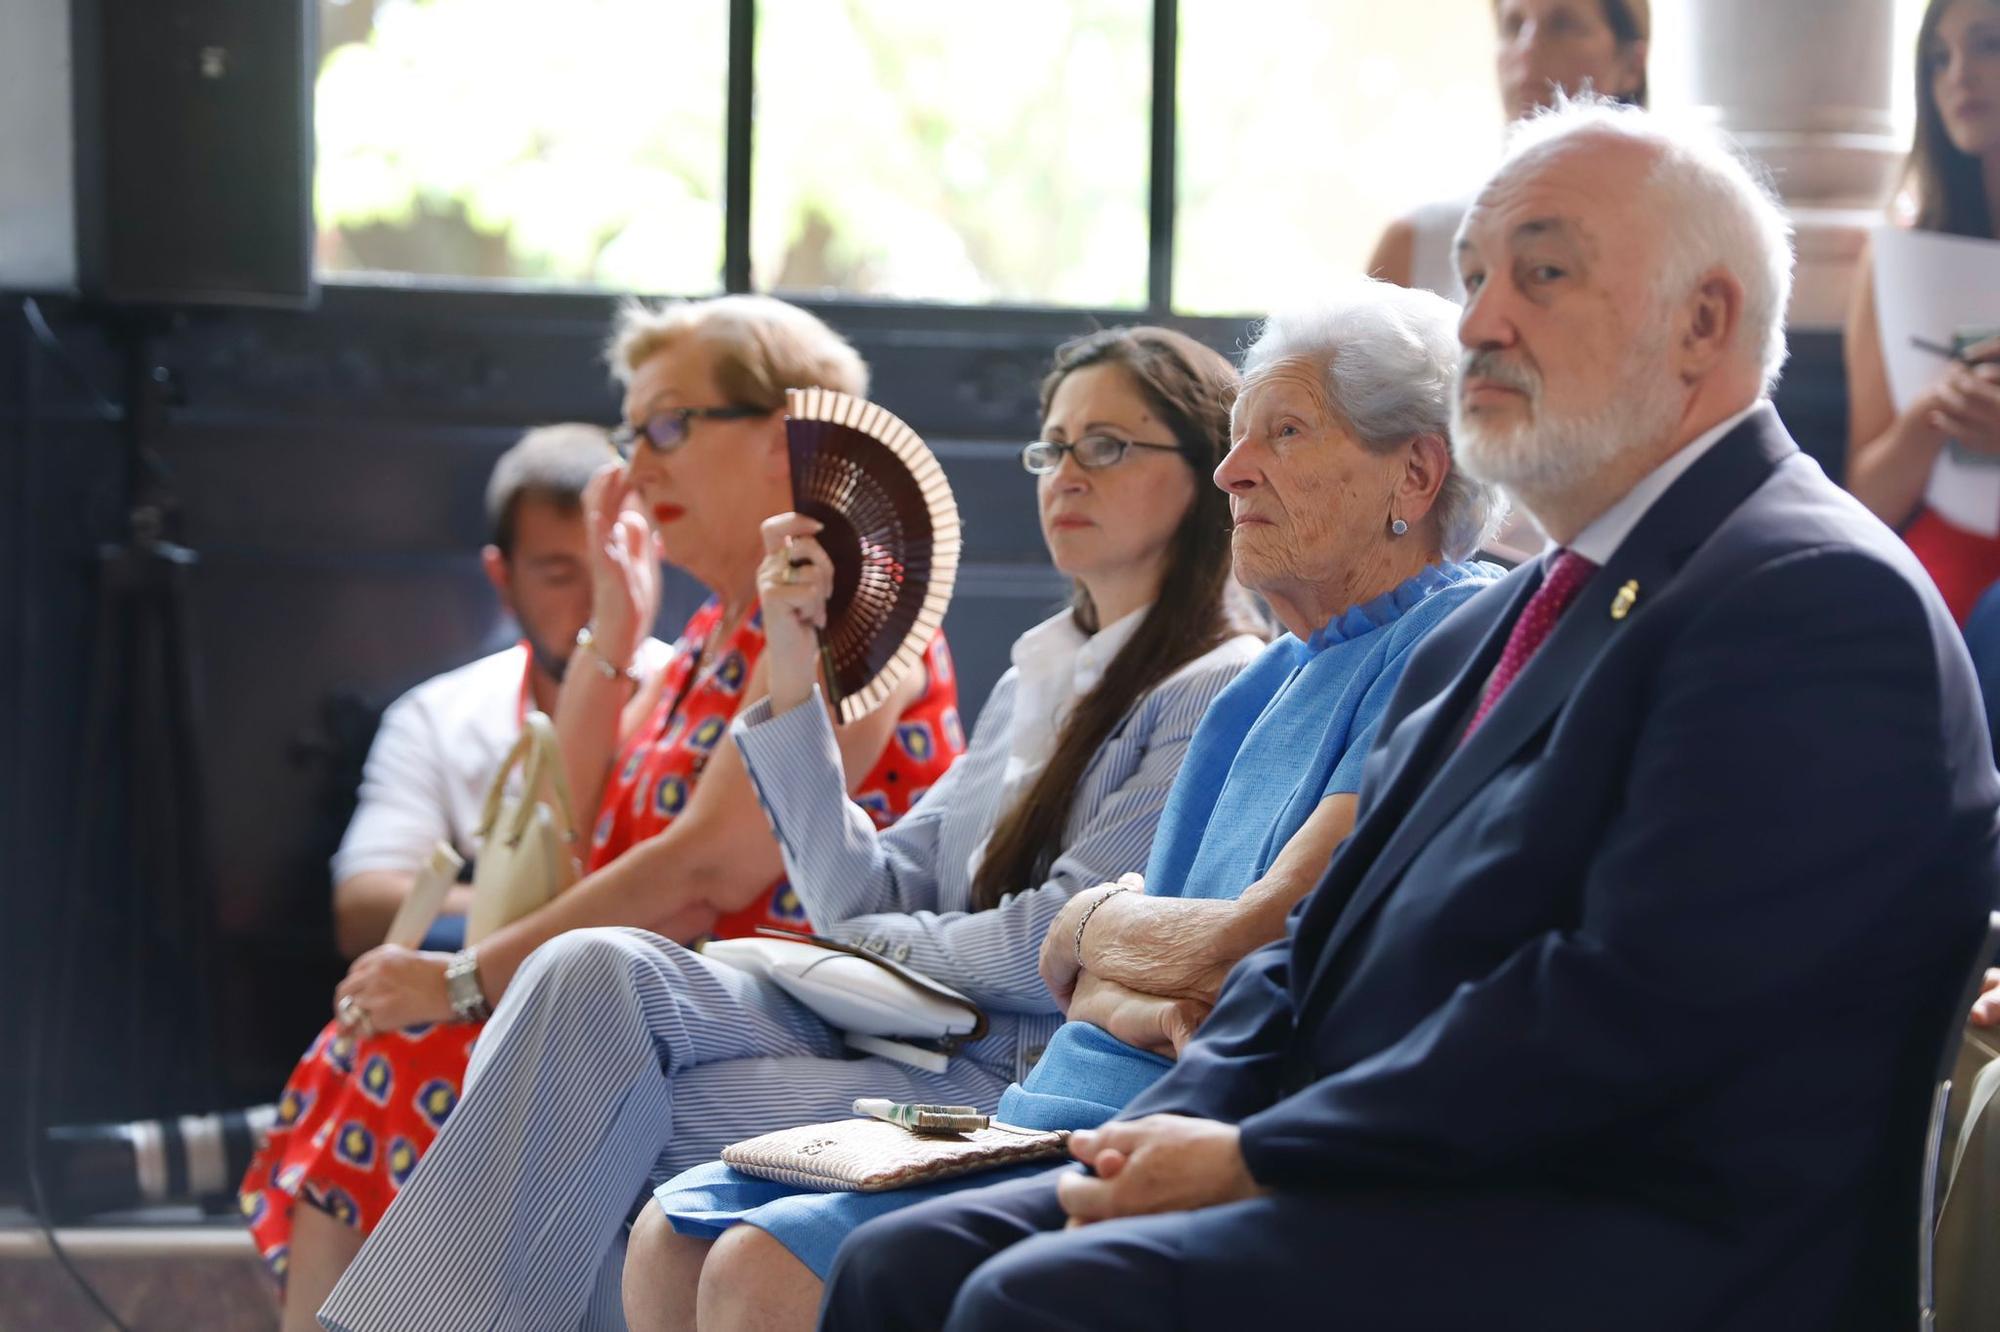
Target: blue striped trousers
(616, 1060)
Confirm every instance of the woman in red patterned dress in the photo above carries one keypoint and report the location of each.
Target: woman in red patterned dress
(679, 844)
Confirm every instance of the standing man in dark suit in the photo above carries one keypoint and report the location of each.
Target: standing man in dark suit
(1618, 1008)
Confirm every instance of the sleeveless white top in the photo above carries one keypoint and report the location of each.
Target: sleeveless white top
(1433, 266)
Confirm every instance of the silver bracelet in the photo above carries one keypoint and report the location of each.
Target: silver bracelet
(586, 641)
(1076, 944)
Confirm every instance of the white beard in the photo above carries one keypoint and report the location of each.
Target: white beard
(1552, 455)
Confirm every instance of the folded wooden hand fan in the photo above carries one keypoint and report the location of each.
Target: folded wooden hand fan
(891, 530)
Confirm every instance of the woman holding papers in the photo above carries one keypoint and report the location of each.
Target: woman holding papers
(1927, 460)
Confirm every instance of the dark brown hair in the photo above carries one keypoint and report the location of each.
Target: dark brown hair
(1199, 607)
(1949, 185)
(1626, 29)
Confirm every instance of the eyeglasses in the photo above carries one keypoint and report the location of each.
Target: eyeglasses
(666, 430)
(1091, 452)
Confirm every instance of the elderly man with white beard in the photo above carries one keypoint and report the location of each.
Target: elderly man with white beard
(1618, 1006)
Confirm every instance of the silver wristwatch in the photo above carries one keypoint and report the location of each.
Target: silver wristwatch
(461, 984)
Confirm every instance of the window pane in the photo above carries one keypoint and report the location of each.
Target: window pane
(578, 143)
(1295, 153)
(1909, 18)
(927, 151)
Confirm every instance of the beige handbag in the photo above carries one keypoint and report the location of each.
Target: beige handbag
(425, 903)
(526, 850)
(871, 1155)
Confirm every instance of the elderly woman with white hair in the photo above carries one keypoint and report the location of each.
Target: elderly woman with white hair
(1352, 522)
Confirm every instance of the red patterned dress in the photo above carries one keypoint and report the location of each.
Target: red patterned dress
(359, 1113)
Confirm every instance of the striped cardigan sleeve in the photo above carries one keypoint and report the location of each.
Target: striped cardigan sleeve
(993, 956)
(839, 864)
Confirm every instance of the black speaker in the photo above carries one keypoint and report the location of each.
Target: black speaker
(194, 156)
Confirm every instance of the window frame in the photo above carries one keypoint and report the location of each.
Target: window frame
(739, 124)
(1162, 147)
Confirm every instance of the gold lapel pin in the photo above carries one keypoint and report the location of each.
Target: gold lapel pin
(1621, 605)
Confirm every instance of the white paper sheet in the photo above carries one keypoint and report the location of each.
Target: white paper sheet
(1932, 286)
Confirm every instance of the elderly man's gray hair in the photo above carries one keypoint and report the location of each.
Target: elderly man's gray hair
(1389, 356)
(1723, 209)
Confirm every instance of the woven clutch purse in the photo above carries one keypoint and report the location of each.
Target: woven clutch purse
(869, 1155)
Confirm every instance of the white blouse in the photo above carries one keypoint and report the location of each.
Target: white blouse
(1057, 664)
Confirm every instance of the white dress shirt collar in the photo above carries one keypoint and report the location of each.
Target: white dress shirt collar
(1601, 540)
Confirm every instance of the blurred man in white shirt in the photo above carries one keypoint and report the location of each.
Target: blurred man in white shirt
(440, 744)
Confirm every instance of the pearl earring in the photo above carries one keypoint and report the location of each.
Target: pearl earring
(1397, 527)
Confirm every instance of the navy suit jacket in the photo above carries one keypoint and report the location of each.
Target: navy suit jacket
(1670, 942)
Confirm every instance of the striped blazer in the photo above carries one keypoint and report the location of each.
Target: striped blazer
(907, 892)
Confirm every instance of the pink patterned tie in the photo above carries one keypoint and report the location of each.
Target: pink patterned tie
(1567, 574)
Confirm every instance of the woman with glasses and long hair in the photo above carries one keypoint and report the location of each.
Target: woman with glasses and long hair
(1896, 458)
(677, 843)
(595, 1081)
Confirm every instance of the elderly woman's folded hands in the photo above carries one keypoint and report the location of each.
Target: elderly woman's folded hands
(1159, 1023)
(1173, 947)
(1145, 969)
